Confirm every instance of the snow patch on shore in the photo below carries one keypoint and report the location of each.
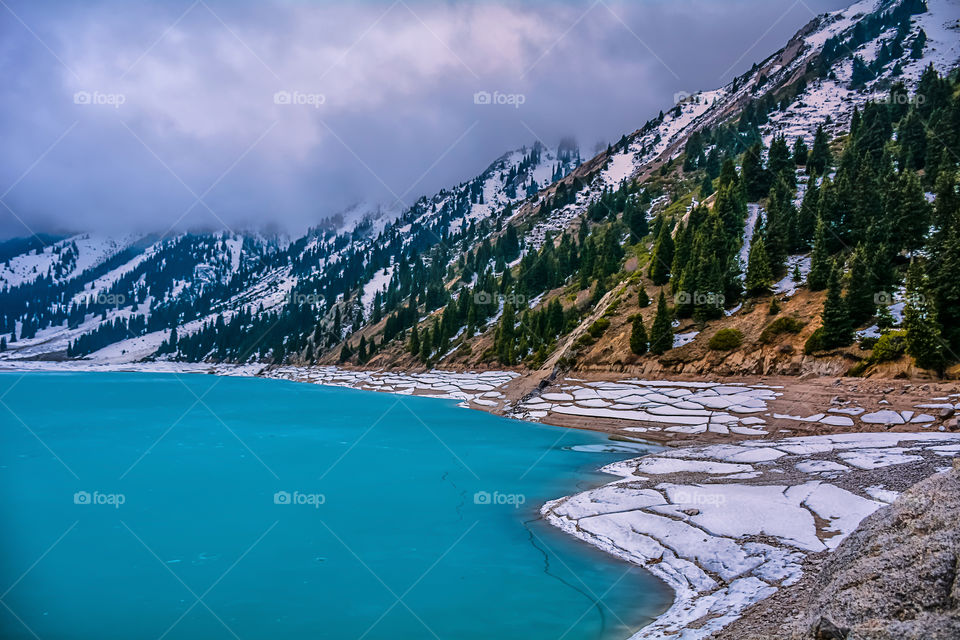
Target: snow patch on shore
(688, 517)
(468, 387)
(683, 407)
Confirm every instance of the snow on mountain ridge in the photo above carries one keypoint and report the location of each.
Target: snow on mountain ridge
(357, 242)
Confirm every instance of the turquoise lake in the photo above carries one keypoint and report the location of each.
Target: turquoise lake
(140, 505)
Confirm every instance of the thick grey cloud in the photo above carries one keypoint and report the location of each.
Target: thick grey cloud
(151, 115)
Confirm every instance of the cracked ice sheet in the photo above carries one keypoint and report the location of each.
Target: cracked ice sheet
(718, 555)
(877, 458)
(840, 508)
(771, 510)
(630, 415)
(462, 386)
(689, 407)
(659, 466)
(820, 466)
(697, 526)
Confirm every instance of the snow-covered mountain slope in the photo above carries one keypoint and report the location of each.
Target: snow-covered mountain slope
(120, 298)
(829, 101)
(55, 295)
(64, 259)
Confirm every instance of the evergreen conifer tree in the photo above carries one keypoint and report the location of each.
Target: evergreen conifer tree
(636, 220)
(916, 49)
(426, 346)
(414, 346)
(706, 187)
(820, 265)
(362, 350)
(662, 256)
(505, 347)
(642, 298)
(638, 336)
(807, 217)
(859, 298)
(800, 152)
(759, 276)
(780, 163)
(908, 211)
(756, 179)
(661, 332)
(924, 341)
(944, 264)
(837, 330)
(820, 155)
(884, 318)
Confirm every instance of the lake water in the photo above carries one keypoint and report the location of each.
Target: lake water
(142, 505)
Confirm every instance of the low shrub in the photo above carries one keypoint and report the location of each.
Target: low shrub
(599, 327)
(583, 341)
(814, 343)
(785, 324)
(890, 346)
(726, 339)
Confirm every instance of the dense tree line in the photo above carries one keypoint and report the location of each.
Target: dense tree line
(874, 224)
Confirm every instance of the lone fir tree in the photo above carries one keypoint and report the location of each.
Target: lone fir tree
(661, 332)
(759, 275)
(924, 341)
(662, 256)
(837, 329)
(638, 336)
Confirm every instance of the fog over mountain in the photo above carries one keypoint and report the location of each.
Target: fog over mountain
(212, 115)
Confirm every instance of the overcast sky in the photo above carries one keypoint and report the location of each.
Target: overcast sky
(124, 114)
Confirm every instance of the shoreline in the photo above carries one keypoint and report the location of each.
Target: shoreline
(669, 512)
(705, 597)
(786, 414)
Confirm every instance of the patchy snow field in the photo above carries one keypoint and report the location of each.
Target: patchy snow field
(478, 388)
(727, 525)
(681, 407)
(666, 408)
